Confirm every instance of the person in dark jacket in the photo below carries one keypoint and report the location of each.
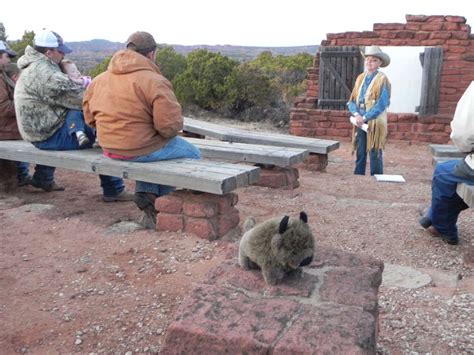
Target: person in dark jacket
(8, 128)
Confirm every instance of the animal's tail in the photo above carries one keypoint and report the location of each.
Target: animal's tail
(249, 224)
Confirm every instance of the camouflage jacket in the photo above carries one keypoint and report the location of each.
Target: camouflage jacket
(43, 95)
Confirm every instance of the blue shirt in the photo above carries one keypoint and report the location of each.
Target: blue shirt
(380, 105)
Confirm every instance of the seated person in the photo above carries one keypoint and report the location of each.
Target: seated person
(49, 111)
(446, 205)
(8, 128)
(138, 116)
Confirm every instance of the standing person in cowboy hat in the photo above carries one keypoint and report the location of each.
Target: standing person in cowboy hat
(368, 103)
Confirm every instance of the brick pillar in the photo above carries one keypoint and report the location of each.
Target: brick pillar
(205, 215)
(8, 180)
(276, 177)
(316, 162)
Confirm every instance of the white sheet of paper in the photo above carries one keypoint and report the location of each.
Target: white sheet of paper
(389, 178)
(364, 127)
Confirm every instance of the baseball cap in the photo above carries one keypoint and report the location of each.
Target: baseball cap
(50, 39)
(4, 47)
(139, 41)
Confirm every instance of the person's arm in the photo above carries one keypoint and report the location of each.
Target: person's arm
(167, 116)
(60, 91)
(380, 105)
(7, 106)
(88, 116)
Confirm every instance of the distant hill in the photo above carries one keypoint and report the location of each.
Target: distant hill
(87, 54)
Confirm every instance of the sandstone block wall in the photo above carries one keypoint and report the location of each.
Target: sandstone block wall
(451, 33)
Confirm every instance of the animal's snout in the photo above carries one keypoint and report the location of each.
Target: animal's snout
(306, 261)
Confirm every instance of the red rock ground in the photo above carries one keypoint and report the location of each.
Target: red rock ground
(70, 282)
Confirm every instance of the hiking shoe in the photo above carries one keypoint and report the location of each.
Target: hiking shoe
(82, 140)
(47, 187)
(25, 181)
(124, 196)
(425, 222)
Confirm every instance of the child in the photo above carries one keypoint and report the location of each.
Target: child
(70, 69)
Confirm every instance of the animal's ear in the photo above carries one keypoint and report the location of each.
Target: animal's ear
(304, 217)
(283, 225)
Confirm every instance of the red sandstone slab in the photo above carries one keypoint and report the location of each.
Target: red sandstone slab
(356, 286)
(230, 274)
(329, 329)
(218, 320)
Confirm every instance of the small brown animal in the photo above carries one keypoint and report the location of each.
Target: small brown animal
(277, 247)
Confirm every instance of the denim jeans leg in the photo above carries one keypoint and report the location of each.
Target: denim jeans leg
(176, 148)
(22, 170)
(361, 152)
(44, 175)
(111, 185)
(446, 205)
(376, 161)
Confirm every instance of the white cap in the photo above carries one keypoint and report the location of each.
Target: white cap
(50, 39)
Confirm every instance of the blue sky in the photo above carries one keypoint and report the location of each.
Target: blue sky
(243, 22)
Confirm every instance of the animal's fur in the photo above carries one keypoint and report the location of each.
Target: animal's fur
(277, 246)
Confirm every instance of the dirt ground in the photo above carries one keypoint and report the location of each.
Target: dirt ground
(76, 278)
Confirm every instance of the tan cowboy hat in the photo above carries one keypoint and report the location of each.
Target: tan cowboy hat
(375, 51)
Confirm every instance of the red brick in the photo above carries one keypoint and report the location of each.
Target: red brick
(201, 227)
(200, 208)
(169, 222)
(272, 178)
(169, 203)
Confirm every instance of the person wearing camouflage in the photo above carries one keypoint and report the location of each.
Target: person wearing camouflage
(48, 105)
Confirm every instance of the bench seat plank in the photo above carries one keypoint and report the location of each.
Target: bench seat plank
(229, 134)
(263, 154)
(200, 175)
(446, 150)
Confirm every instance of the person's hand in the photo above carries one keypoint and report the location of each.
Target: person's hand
(359, 121)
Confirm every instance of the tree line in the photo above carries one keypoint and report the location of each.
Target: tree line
(208, 82)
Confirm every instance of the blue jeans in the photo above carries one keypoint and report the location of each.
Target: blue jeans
(176, 148)
(22, 170)
(65, 139)
(446, 205)
(376, 156)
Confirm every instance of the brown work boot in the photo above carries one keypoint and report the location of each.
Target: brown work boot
(124, 196)
(47, 187)
(145, 201)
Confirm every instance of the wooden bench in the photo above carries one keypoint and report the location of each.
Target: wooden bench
(253, 153)
(318, 148)
(445, 152)
(216, 179)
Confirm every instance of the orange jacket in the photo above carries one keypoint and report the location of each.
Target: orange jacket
(132, 106)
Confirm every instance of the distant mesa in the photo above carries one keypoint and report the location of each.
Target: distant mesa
(88, 54)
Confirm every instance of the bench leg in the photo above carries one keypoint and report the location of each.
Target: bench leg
(277, 177)
(316, 162)
(8, 180)
(205, 215)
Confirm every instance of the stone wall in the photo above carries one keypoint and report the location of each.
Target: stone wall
(449, 32)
